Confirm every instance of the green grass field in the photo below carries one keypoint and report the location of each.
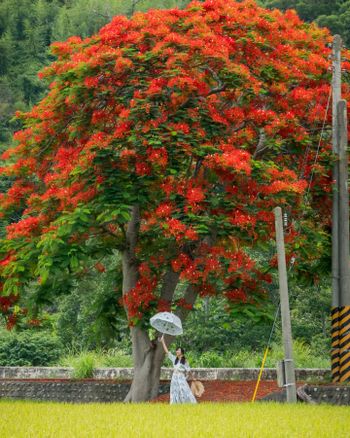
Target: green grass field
(38, 420)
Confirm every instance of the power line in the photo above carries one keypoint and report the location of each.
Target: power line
(319, 142)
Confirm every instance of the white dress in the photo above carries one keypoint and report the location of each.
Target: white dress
(180, 391)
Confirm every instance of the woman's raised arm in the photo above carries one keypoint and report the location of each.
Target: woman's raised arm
(164, 344)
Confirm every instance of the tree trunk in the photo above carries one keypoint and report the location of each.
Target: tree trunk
(147, 354)
(148, 357)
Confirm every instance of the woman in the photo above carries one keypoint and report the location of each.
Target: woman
(180, 392)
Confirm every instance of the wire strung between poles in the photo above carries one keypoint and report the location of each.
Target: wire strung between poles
(319, 143)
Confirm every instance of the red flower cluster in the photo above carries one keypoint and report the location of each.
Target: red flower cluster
(157, 157)
(25, 227)
(8, 259)
(163, 306)
(140, 299)
(183, 261)
(236, 295)
(195, 195)
(206, 290)
(11, 321)
(7, 302)
(175, 228)
(34, 322)
(242, 219)
(181, 302)
(100, 267)
(240, 261)
(164, 210)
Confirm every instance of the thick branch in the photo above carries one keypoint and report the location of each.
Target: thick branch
(170, 281)
(190, 298)
(133, 229)
(141, 344)
(198, 166)
(220, 87)
(130, 272)
(261, 144)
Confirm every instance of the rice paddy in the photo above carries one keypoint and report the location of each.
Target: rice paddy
(38, 420)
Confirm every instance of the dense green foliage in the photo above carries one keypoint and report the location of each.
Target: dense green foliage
(310, 315)
(27, 348)
(90, 316)
(95, 334)
(84, 362)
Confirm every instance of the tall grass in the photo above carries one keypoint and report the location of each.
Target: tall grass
(303, 358)
(84, 362)
(84, 365)
(210, 420)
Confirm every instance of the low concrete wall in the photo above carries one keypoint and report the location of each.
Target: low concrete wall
(79, 391)
(302, 374)
(315, 394)
(331, 394)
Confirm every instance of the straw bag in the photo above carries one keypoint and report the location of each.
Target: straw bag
(197, 388)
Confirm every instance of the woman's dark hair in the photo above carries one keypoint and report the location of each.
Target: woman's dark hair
(183, 359)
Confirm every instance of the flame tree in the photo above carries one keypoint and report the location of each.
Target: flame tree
(168, 137)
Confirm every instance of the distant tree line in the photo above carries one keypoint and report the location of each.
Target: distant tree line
(333, 14)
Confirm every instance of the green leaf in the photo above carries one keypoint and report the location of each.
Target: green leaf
(44, 275)
(125, 215)
(74, 262)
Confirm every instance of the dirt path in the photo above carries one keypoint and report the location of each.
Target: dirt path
(229, 391)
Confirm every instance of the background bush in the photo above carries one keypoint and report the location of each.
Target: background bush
(303, 358)
(85, 361)
(29, 348)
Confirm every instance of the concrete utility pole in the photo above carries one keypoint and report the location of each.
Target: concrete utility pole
(342, 135)
(340, 355)
(285, 312)
(336, 96)
(344, 269)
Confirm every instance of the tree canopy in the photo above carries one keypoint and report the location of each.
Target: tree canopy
(169, 137)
